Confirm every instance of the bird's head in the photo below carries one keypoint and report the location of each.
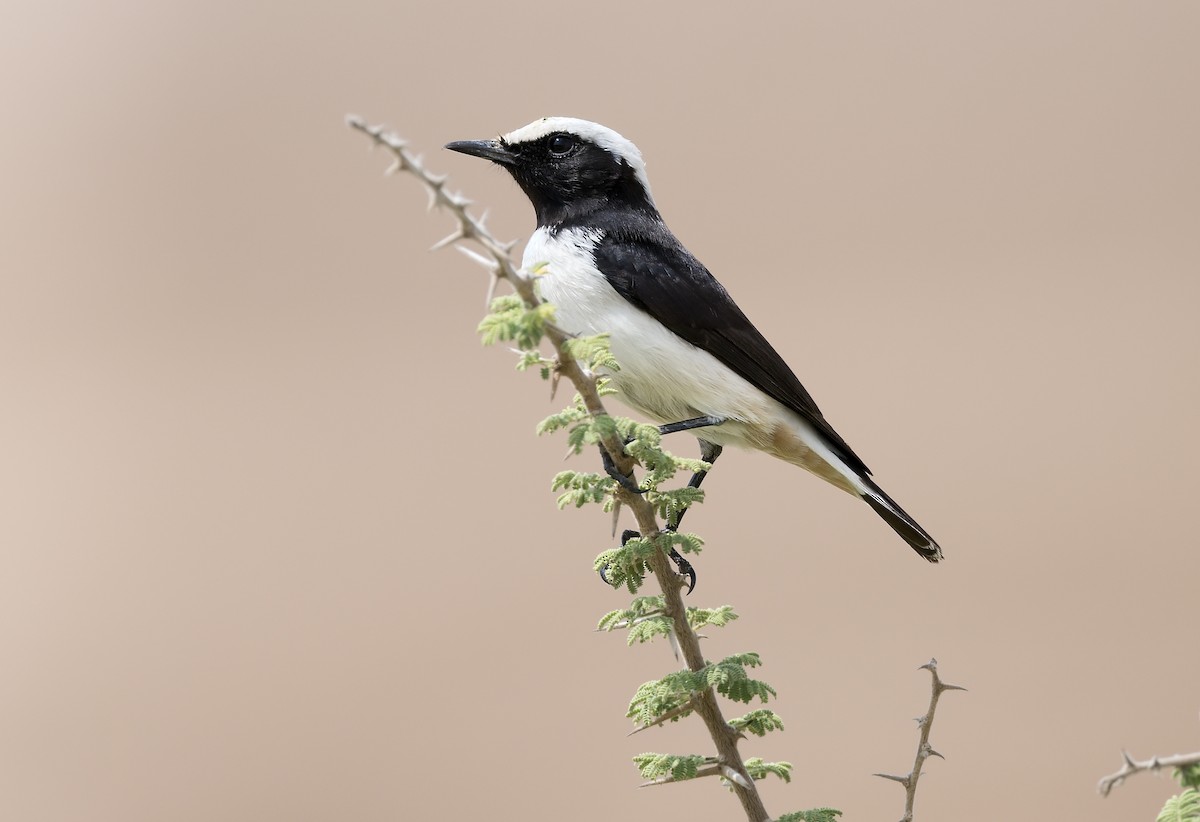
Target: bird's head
(568, 167)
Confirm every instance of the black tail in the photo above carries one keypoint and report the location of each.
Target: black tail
(901, 523)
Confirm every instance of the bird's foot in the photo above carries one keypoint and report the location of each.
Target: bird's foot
(623, 480)
(684, 567)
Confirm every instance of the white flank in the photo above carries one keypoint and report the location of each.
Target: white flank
(662, 375)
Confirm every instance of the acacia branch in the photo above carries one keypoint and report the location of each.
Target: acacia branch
(661, 719)
(713, 769)
(498, 262)
(924, 749)
(1130, 766)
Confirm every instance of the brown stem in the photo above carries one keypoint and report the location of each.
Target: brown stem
(500, 264)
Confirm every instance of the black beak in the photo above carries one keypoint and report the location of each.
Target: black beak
(492, 150)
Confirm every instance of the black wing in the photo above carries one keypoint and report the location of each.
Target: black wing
(651, 269)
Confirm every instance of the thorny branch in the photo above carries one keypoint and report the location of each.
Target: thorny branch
(924, 750)
(1130, 766)
(711, 769)
(499, 263)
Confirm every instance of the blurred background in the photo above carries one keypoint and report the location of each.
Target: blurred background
(277, 540)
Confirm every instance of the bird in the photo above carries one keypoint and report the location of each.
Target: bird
(688, 356)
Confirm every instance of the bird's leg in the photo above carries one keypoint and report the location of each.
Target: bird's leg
(623, 480)
(626, 482)
(709, 451)
(688, 425)
(685, 567)
(626, 535)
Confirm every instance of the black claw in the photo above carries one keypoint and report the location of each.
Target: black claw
(623, 480)
(626, 535)
(685, 569)
(709, 452)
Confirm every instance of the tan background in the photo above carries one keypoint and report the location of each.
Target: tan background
(241, 403)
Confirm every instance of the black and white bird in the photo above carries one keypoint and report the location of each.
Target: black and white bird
(689, 358)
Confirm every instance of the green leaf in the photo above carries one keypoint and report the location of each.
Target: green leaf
(677, 766)
(685, 542)
(565, 418)
(813, 815)
(759, 722)
(533, 357)
(626, 565)
(605, 387)
(594, 352)
(661, 696)
(511, 319)
(759, 769)
(1182, 808)
(644, 618)
(649, 628)
(717, 617)
(582, 488)
(604, 426)
(668, 504)
(1189, 775)
(638, 608)
(729, 678)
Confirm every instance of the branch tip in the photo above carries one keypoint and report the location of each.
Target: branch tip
(924, 749)
(1130, 766)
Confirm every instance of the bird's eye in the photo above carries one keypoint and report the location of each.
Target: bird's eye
(561, 145)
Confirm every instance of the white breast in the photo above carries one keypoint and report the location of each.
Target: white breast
(661, 374)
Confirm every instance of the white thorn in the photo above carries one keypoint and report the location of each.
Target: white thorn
(447, 240)
(491, 292)
(733, 776)
(487, 263)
